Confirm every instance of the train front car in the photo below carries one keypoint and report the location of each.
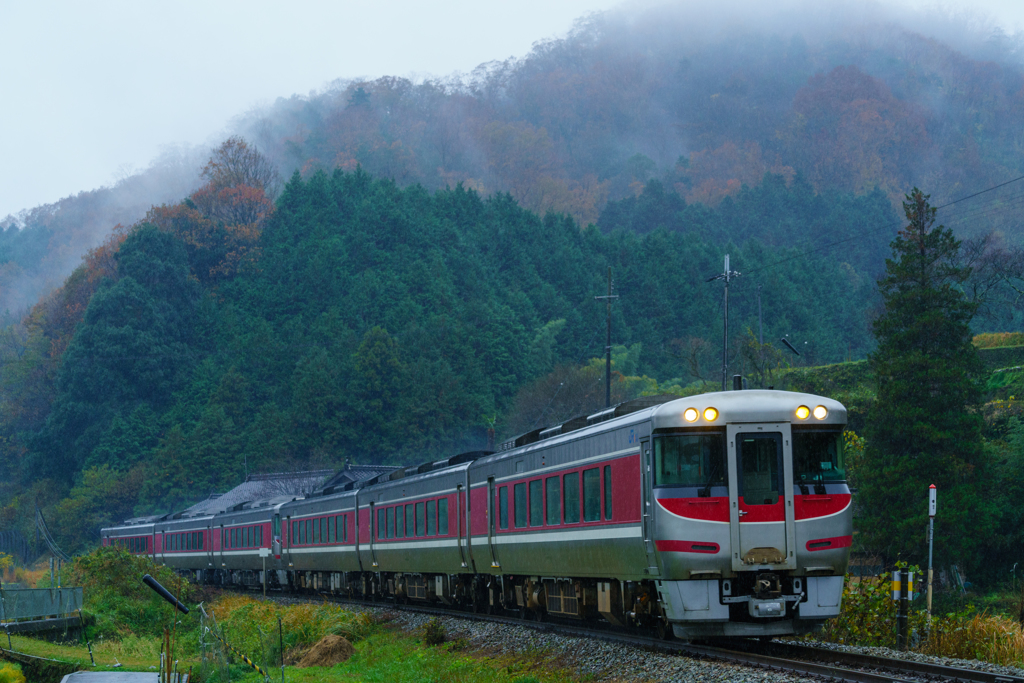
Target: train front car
(749, 510)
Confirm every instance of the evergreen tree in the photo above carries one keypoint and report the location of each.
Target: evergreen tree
(924, 427)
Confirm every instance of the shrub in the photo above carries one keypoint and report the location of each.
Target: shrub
(111, 579)
(11, 673)
(434, 633)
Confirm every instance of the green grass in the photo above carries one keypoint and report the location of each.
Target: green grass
(393, 657)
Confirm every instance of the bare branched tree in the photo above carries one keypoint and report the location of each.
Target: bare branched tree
(995, 275)
(238, 164)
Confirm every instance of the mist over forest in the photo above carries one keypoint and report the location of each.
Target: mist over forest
(384, 269)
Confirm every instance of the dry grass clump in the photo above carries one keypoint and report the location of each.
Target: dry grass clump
(991, 638)
(250, 625)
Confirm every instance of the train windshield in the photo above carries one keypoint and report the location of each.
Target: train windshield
(817, 457)
(690, 460)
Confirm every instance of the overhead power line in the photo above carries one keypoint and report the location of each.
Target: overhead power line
(872, 231)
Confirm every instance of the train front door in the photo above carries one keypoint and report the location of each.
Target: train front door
(761, 511)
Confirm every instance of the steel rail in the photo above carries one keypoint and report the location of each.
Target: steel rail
(926, 669)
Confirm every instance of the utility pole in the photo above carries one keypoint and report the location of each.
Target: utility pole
(760, 338)
(608, 343)
(727, 275)
(760, 325)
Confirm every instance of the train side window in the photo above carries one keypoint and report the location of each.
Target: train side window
(259, 537)
(442, 516)
(332, 529)
(302, 532)
(201, 535)
(431, 517)
(553, 498)
(410, 523)
(316, 530)
(419, 519)
(572, 497)
(519, 505)
(537, 502)
(309, 531)
(503, 507)
(592, 495)
(293, 538)
(391, 522)
(399, 522)
(344, 529)
(381, 524)
(607, 491)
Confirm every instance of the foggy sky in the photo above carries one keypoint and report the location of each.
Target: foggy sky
(90, 92)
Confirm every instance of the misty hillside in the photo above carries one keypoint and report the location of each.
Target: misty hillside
(851, 99)
(703, 105)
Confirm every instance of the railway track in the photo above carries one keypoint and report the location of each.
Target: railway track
(801, 660)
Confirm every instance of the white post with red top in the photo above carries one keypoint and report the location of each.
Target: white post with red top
(931, 537)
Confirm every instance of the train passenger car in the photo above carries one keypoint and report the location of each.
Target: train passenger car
(134, 535)
(720, 514)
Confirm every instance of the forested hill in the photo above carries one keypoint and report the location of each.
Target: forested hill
(362, 320)
(703, 101)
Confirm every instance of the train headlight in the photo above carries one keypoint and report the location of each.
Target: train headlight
(803, 412)
(820, 412)
(710, 414)
(691, 414)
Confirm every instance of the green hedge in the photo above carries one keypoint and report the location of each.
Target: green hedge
(1002, 357)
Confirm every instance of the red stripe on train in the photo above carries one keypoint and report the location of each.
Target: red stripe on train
(809, 507)
(687, 547)
(707, 509)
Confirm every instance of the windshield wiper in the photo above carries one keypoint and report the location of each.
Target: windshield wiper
(706, 491)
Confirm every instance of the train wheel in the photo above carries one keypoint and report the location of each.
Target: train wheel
(663, 630)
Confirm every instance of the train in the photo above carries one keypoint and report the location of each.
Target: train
(722, 514)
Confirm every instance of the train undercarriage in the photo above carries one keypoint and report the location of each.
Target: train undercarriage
(765, 607)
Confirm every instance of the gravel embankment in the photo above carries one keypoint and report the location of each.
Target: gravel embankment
(604, 661)
(600, 660)
(596, 659)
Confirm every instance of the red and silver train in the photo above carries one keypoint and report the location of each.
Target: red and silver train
(722, 514)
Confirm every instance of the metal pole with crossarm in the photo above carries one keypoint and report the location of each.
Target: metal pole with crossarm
(727, 276)
(608, 344)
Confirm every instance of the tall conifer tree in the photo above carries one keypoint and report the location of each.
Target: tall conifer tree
(924, 427)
